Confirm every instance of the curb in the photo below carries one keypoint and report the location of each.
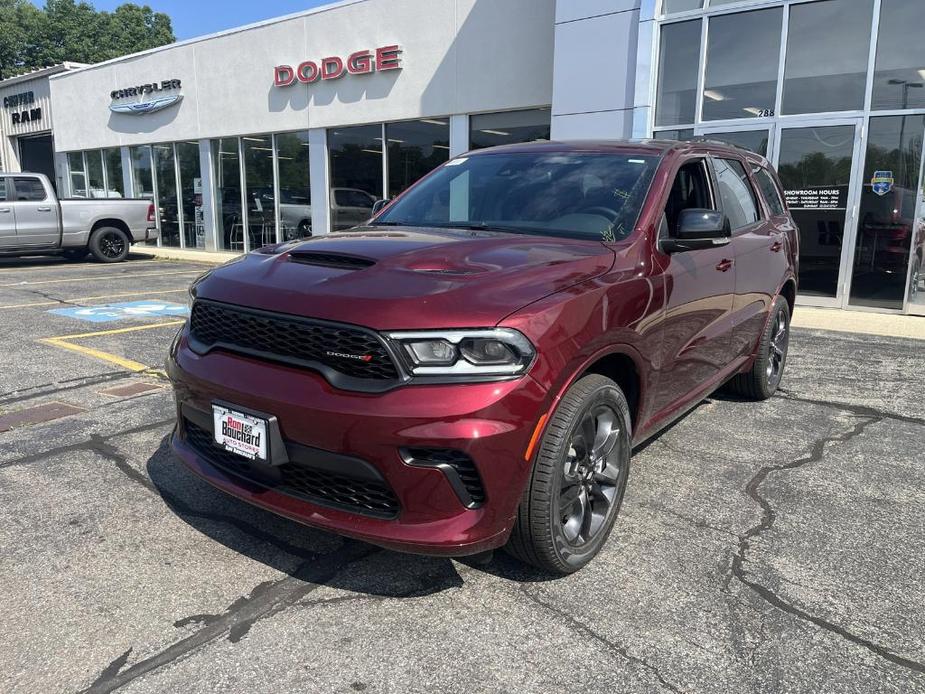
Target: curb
(206, 257)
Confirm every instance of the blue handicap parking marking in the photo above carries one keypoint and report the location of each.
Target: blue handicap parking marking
(116, 312)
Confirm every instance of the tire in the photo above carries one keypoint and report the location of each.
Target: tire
(571, 502)
(305, 229)
(74, 254)
(762, 380)
(109, 245)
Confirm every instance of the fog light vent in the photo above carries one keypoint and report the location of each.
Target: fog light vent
(458, 467)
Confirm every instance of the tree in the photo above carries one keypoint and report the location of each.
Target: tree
(66, 30)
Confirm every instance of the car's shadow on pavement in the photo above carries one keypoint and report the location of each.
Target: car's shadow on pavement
(293, 548)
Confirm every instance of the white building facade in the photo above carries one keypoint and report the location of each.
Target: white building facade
(296, 126)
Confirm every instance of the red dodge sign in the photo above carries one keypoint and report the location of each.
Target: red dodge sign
(332, 68)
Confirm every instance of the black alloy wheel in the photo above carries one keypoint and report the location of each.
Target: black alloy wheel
(762, 380)
(109, 245)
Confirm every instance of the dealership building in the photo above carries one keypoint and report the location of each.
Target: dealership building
(295, 126)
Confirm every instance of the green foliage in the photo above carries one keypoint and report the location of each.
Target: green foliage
(66, 30)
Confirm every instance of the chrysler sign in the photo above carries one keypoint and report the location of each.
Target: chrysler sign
(334, 67)
(146, 98)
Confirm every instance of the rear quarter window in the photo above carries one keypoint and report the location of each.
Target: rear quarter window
(29, 189)
(769, 191)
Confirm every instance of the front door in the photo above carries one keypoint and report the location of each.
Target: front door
(7, 216)
(36, 213)
(699, 293)
(816, 165)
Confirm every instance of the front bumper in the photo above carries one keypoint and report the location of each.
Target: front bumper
(490, 423)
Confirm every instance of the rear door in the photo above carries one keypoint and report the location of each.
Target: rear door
(699, 292)
(7, 216)
(37, 222)
(755, 241)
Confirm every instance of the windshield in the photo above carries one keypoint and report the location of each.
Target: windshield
(575, 194)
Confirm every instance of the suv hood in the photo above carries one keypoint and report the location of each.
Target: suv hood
(405, 278)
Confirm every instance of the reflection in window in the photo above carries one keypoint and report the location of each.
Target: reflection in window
(827, 51)
(681, 135)
(752, 140)
(899, 74)
(674, 6)
(295, 191)
(96, 184)
(75, 165)
(415, 149)
(227, 165)
(736, 193)
(356, 174)
(510, 127)
(677, 73)
(142, 182)
(112, 158)
(191, 194)
(258, 175)
(887, 220)
(743, 54)
(769, 190)
(168, 208)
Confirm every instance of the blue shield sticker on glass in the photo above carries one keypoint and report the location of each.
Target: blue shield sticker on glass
(882, 182)
(116, 312)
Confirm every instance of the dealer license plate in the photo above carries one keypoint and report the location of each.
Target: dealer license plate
(240, 433)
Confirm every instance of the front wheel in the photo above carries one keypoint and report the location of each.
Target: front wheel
(576, 488)
(109, 245)
(762, 380)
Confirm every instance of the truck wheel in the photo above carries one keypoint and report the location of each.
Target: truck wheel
(109, 245)
(74, 253)
(305, 229)
(576, 488)
(761, 381)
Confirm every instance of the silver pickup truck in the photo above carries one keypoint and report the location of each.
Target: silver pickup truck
(33, 221)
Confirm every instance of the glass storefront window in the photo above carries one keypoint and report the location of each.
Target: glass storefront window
(752, 140)
(227, 165)
(75, 165)
(887, 217)
(142, 181)
(510, 127)
(899, 74)
(743, 54)
(112, 159)
(678, 63)
(673, 6)
(168, 208)
(295, 190)
(356, 174)
(683, 134)
(96, 184)
(415, 149)
(258, 176)
(827, 52)
(191, 194)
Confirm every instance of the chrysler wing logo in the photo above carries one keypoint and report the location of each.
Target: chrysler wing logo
(139, 108)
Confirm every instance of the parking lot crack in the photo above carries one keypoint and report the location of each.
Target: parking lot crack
(768, 519)
(264, 601)
(858, 410)
(610, 645)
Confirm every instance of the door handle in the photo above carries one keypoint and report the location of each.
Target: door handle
(43, 209)
(724, 265)
(777, 246)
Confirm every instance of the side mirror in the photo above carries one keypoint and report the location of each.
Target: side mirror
(380, 205)
(698, 229)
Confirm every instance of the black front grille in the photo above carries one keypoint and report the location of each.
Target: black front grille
(332, 260)
(457, 460)
(371, 498)
(344, 349)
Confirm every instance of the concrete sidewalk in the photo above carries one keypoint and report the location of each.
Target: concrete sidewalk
(887, 325)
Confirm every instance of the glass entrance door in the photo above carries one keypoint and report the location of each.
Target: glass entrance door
(816, 164)
(915, 300)
(889, 226)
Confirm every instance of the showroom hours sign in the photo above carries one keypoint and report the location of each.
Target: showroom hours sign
(831, 198)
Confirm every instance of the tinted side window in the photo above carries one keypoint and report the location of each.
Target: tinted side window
(690, 190)
(29, 189)
(769, 190)
(736, 193)
(2, 190)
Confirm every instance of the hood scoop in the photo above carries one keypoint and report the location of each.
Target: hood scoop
(338, 261)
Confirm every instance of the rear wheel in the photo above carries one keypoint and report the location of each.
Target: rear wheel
(761, 381)
(109, 245)
(576, 488)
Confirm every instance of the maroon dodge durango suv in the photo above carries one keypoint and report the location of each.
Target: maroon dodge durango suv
(473, 367)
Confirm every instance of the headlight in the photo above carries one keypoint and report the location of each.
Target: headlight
(495, 352)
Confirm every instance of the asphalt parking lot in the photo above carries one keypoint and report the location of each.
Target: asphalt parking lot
(774, 547)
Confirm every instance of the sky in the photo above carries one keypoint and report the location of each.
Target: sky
(197, 17)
